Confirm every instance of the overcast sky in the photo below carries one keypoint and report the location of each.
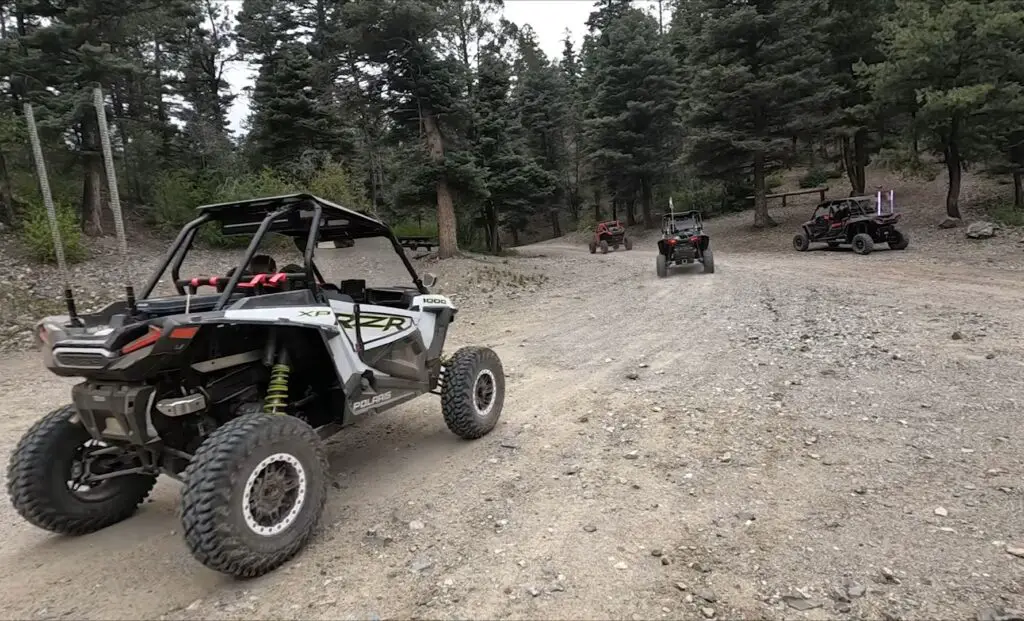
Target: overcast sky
(549, 19)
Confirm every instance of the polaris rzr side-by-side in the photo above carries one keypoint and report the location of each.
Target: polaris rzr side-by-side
(860, 221)
(232, 384)
(684, 241)
(610, 233)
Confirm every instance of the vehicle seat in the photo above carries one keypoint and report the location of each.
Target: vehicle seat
(337, 296)
(354, 288)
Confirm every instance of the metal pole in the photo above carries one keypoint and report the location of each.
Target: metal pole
(51, 213)
(115, 197)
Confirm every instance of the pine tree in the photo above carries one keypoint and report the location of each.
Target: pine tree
(402, 37)
(959, 61)
(631, 125)
(542, 100)
(851, 29)
(516, 184)
(755, 81)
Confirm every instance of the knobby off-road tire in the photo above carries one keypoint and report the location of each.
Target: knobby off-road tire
(662, 266)
(593, 247)
(604, 247)
(41, 467)
(862, 243)
(225, 527)
(628, 243)
(801, 242)
(473, 392)
(899, 241)
(709, 262)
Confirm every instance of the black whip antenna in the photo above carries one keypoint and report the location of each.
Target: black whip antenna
(115, 197)
(51, 215)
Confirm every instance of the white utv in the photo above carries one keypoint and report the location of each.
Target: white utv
(232, 384)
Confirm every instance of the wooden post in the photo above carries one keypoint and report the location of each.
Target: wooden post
(822, 195)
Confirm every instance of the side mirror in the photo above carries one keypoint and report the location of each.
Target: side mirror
(429, 280)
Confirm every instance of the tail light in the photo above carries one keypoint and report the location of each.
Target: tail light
(152, 336)
(672, 242)
(695, 239)
(183, 333)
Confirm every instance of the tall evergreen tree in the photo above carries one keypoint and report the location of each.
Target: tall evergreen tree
(631, 118)
(402, 37)
(756, 80)
(960, 62)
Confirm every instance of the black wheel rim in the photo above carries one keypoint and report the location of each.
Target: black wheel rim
(274, 494)
(484, 390)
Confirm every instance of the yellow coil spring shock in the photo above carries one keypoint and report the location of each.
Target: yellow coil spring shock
(277, 390)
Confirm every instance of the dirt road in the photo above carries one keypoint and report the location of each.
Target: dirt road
(795, 436)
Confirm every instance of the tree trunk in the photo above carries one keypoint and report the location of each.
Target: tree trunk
(647, 197)
(556, 227)
(1018, 189)
(630, 214)
(761, 217)
(615, 209)
(914, 150)
(6, 195)
(860, 159)
(92, 204)
(954, 166)
(597, 204)
(855, 161)
(447, 235)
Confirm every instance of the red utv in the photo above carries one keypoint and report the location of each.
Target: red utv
(610, 233)
(860, 221)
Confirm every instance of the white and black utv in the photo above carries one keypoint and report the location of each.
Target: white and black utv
(232, 385)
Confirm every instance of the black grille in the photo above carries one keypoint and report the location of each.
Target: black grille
(81, 360)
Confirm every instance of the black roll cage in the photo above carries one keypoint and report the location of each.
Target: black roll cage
(668, 221)
(182, 244)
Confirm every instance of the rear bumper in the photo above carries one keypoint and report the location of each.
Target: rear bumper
(116, 412)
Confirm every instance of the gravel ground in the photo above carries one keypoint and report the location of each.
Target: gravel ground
(797, 436)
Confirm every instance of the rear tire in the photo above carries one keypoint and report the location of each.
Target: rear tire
(473, 392)
(628, 243)
(604, 247)
(593, 247)
(709, 262)
(242, 477)
(862, 243)
(615, 247)
(662, 266)
(898, 241)
(801, 242)
(42, 465)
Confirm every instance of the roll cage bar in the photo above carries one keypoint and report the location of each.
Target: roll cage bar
(283, 216)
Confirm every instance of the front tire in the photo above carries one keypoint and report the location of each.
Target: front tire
(473, 392)
(898, 241)
(254, 493)
(662, 266)
(801, 242)
(593, 247)
(604, 247)
(709, 262)
(862, 243)
(628, 243)
(43, 465)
